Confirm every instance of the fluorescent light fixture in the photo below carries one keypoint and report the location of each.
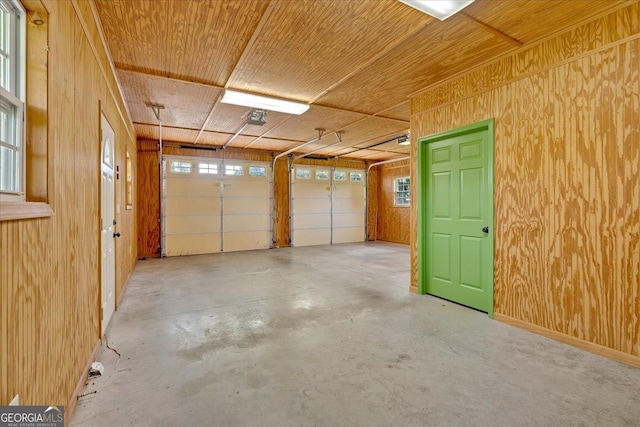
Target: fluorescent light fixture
(263, 102)
(404, 140)
(441, 9)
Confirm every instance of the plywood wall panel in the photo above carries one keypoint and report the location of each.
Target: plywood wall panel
(393, 222)
(567, 193)
(50, 266)
(282, 232)
(148, 199)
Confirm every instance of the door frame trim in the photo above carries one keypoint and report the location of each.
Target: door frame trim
(101, 321)
(485, 125)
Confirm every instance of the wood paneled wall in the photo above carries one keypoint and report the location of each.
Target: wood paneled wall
(148, 199)
(567, 186)
(393, 222)
(50, 267)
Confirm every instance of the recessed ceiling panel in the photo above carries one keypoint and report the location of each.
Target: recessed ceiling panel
(168, 134)
(184, 39)
(271, 144)
(371, 131)
(186, 105)
(530, 20)
(303, 127)
(402, 111)
(308, 45)
(442, 49)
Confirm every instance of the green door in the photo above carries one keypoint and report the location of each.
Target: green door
(456, 215)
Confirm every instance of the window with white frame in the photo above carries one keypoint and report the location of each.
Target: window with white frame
(355, 176)
(303, 174)
(180, 167)
(233, 170)
(208, 168)
(257, 171)
(339, 176)
(322, 175)
(12, 97)
(402, 190)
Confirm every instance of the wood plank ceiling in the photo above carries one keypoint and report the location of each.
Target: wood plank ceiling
(355, 61)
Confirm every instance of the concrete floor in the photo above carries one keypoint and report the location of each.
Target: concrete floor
(330, 336)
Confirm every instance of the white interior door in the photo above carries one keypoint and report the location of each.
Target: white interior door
(107, 225)
(311, 202)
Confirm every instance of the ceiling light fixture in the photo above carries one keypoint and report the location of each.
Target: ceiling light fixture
(441, 9)
(263, 102)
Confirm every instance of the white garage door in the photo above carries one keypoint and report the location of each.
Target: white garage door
(311, 206)
(348, 205)
(212, 205)
(246, 221)
(328, 205)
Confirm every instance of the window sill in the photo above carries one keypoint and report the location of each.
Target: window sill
(10, 211)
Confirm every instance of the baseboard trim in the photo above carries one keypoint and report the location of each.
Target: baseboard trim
(68, 410)
(124, 287)
(573, 341)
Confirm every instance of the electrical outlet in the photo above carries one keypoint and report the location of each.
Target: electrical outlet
(15, 401)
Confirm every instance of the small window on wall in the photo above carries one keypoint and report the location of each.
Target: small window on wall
(339, 176)
(303, 174)
(208, 168)
(12, 97)
(257, 171)
(233, 170)
(355, 176)
(322, 175)
(402, 191)
(128, 175)
(180, 167)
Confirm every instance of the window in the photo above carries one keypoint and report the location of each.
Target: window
(303, 174)
(180, 167)
(257, 171)
(402, 191)
(12, 97)
(208, 168)
(322, 175)
(128, 175)
(339, 176)
(355, 176)
(233, 170)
